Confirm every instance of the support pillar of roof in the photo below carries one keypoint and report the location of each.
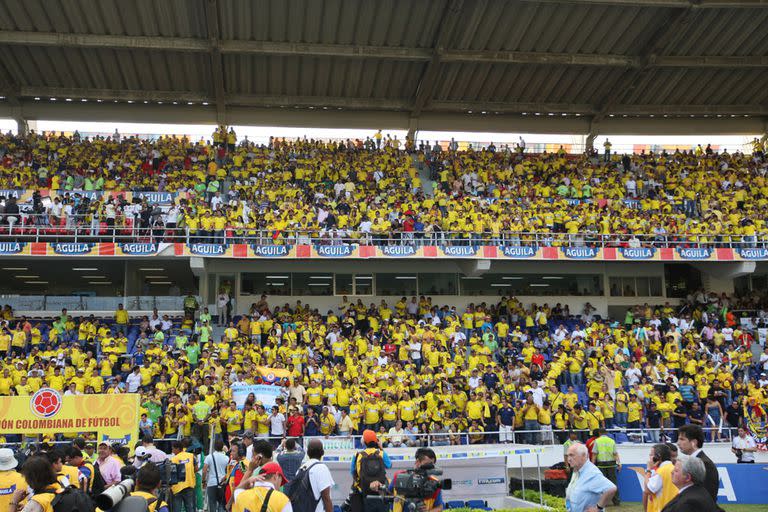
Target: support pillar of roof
(413, 128)
(764, 138)
(22, 127)
(217, 67)
(589, 142)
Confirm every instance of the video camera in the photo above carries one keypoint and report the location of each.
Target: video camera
(419, 484)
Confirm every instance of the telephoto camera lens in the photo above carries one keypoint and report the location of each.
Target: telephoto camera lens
(112, 496)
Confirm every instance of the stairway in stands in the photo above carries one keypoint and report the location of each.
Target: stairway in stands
(426, 183)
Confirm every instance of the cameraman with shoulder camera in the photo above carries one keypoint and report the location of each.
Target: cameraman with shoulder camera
(369, 476)
(147, 483)
(184, 491)
(425, 460)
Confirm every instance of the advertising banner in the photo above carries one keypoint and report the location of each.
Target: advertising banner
(354, 251)
(263, 393)
(13, 249)
(737, 483)
(114, 418)
(333, 443)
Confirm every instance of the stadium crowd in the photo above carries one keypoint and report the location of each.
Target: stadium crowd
(374, 191)
(414, 372)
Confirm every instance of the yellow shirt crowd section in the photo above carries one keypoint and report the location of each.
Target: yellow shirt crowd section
(458, 382)
(480, 192)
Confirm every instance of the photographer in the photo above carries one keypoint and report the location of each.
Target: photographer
(425, 460)
(147, 483)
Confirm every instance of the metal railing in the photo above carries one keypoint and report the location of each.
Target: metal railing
(543, 437)
(75, 303)
(31, 228)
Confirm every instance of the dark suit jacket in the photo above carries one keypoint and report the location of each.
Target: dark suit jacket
(712, 478)
(693, 499)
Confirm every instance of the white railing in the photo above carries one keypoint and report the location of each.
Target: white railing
(38, 228)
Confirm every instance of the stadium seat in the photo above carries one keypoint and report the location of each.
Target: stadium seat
(478, 504)
(455, 504)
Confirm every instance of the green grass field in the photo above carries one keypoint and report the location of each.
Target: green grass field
(638, 507)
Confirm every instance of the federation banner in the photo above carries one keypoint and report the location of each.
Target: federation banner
(263, 393)
(114, 418)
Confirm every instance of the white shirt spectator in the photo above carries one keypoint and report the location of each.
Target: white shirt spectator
(745, 442)
(395, 436)
(320, 479)
(538, 396)
(133, 382)
(221, 461)
(633, 376)
(415, 349)
(277, 424)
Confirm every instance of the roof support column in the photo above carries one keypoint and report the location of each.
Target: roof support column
(413, 129)
(217, 68)
(594, 126)
(22, 127)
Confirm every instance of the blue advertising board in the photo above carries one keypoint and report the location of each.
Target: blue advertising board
(739, 483)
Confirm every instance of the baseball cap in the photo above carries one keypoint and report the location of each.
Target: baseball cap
(141, 453)
(369, 436)
(7, 460)
(273, 468)
(248, 434)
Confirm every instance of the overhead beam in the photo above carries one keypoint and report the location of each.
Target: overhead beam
(698, 4)
(503, 107)
(317, 102)
(568, 59)
(694, 110)
(27, 38)
(76, 95)
(325, 50)
(373, 104)
(21, 38)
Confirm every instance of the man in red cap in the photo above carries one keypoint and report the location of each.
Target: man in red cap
(252, 493)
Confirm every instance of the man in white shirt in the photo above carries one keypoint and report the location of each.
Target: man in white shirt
(538, 394)
(744, 447)
(320, 479)
(276, 423)
(396, 434)
(133, 381)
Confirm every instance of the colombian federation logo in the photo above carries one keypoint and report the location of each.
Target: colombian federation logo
(270, 377)
(45, 403)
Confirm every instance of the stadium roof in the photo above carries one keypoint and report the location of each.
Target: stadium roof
(416, 58)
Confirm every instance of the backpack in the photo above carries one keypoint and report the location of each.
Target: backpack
(98, 485)
(72, 499)
(300, 492)
(371, 470)
(136, 504)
